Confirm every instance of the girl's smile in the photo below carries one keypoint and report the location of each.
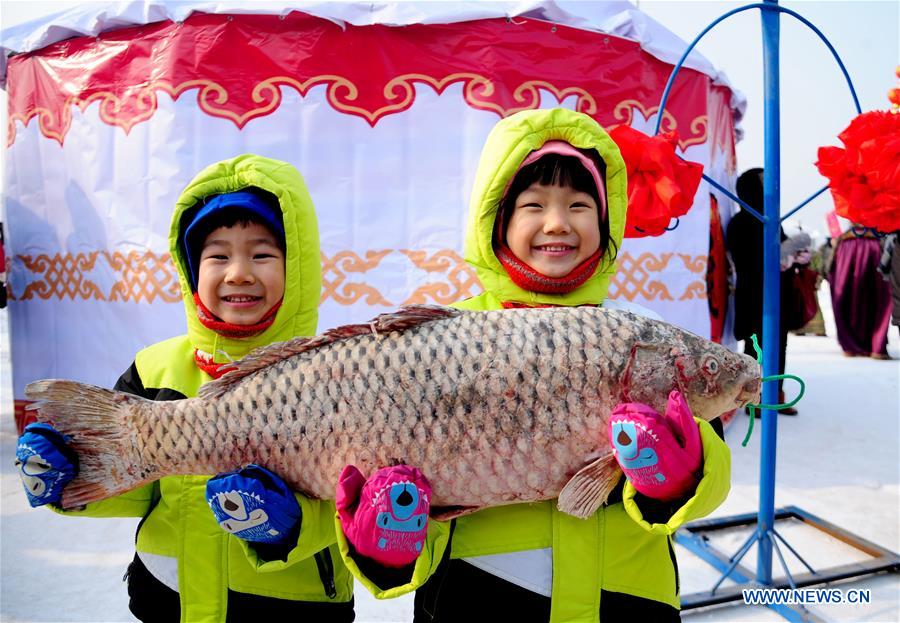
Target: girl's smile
(556, 250)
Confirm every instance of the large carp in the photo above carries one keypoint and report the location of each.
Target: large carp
(494, 407)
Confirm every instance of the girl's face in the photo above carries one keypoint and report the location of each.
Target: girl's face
(553, 229)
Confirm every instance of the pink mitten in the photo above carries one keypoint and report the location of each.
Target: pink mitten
(386, 516)
(660, 455)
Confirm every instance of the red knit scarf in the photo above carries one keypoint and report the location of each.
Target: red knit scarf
(529, 279)
(518, 305)
(209, 320)
(205, 362)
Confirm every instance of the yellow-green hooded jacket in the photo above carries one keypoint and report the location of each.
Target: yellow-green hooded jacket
(618, 550)
(179, 541)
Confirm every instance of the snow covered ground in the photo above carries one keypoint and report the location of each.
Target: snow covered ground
(839, 459)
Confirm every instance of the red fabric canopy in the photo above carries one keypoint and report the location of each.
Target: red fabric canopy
(239, 64)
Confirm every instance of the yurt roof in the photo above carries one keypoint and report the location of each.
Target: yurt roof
(617, 18)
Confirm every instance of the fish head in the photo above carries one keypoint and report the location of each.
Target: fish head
(716, 380)
(713, 379)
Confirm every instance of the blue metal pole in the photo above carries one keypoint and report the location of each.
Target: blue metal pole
(771, 286)
(763, 6)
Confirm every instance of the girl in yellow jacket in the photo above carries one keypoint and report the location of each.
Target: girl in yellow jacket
(547, 215)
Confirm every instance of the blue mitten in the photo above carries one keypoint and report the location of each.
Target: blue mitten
(45, 462)
(254, 504)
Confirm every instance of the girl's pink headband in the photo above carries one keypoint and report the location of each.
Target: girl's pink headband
(562, 148)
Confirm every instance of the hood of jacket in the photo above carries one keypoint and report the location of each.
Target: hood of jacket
(507, 146)
(298, 314)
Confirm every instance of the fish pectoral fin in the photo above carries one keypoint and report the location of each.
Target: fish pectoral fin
(446, 513)
(587, 490)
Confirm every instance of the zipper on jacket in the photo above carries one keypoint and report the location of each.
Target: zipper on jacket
(675, 565)
(431, 592)
(326, 572)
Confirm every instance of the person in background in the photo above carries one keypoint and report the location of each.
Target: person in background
(889, 266)
(860, 298)
(745, 244)
(817, 260)
(798, 282)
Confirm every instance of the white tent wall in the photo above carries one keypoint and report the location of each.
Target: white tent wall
(88, 202)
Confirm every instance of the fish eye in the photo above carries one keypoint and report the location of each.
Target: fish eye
(711, 366)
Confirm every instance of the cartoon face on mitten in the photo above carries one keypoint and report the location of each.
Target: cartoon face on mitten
(36, 473)
(661, 455)
(402, 517)
(238, 511)
(45, 463)
(633, 443)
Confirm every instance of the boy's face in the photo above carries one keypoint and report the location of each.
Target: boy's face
(553, 229)
(241, 275)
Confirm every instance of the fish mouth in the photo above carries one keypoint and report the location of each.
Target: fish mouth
(749, 392)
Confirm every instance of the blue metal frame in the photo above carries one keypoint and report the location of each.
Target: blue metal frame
(693, 536)
(768, 5)
(764, 534)
(741, 574)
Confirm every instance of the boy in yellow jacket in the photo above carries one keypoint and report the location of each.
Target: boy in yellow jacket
(245, 242)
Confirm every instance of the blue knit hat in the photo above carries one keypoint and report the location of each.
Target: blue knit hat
(195, 232)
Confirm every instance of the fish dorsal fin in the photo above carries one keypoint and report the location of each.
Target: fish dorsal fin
(400, 320)
(590, 487)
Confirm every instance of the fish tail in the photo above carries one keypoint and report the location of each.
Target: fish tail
(101, 426)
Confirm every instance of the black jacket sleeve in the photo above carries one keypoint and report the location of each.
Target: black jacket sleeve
(130, 382)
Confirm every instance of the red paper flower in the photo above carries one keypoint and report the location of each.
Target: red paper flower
(661, 186)
(894, 97)
(864, 176)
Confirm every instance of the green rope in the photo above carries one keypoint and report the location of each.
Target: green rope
(776, 407)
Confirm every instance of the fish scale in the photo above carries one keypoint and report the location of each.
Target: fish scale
(493, 407)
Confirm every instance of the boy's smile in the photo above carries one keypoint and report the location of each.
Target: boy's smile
(553, 229)
(241, 274)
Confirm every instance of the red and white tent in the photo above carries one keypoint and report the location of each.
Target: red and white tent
(382, 107)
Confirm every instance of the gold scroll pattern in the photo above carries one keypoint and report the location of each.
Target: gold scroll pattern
(460, 282)
(335, 284)
(641, 277)
(147, 277)
(624, 113)
(341, 93)
(695, 263)
(64, 276)
(144, 276)
(695, 290)
(635, 277)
